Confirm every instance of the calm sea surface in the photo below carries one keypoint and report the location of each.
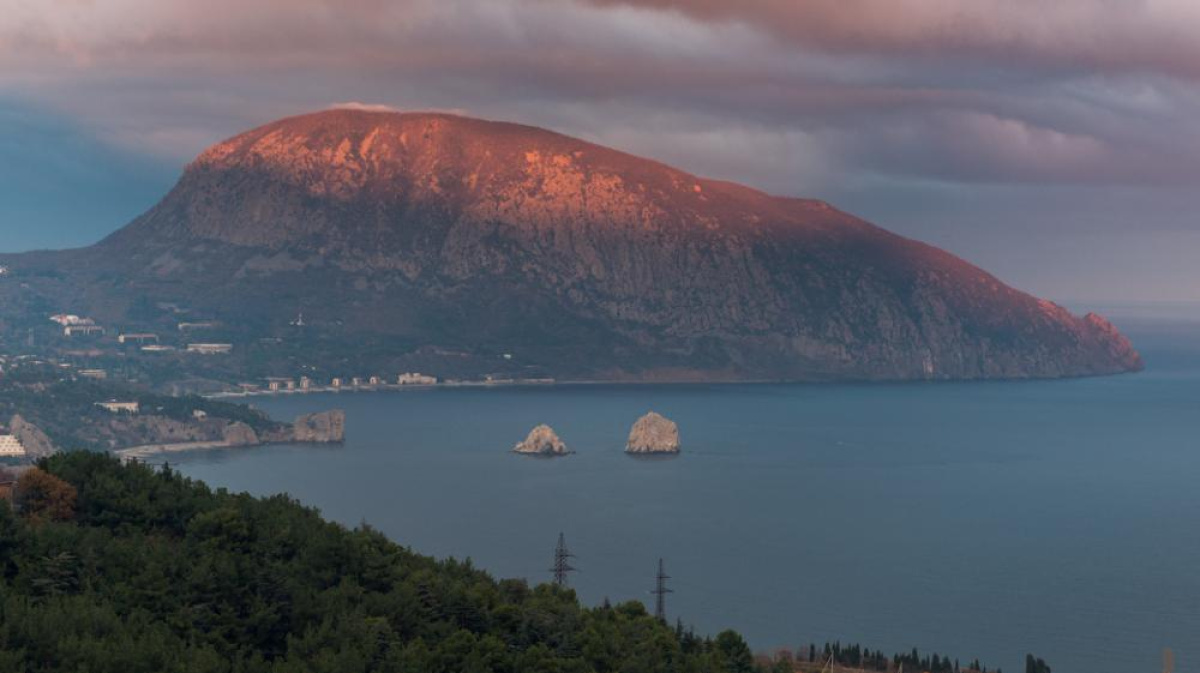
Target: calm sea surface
(986, 519)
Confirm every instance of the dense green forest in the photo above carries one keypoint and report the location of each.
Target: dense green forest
(124, 569)
(120, 568)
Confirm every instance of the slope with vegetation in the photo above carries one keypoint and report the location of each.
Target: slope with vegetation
(65, 409)
(116, 567)
(121, 568)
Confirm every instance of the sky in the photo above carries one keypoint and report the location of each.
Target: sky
(1056, 144)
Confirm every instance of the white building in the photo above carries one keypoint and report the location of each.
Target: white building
(415, 379)
(157, 348)
(210, 349)
(84, 330)
(201, 324)
(69, 319)
(10, 447)
(117, 407)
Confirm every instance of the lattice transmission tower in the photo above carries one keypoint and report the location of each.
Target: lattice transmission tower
(562, 562)
(660, 592)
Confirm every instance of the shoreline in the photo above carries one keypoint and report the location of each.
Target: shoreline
(147, 450)
(150, 450)
(531, 383)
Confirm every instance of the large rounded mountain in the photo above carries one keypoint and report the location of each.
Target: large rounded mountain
(477, 247)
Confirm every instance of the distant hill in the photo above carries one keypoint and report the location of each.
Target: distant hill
(469, 247)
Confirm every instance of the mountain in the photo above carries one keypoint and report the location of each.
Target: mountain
(470, 247)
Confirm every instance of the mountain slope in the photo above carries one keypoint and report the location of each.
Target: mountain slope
(459, 239)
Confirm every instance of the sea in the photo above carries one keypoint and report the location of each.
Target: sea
(978, 520)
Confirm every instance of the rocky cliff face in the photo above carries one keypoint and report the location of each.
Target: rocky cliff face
(439, 234)
(240, 434)
(37, 444)
(326, 427)
(653, 433)
(542, 441)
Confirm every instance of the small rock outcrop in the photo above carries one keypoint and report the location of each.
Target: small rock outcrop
(542, 441)
(326, 427)
(238, 433)
(653, 433)
(37, 444)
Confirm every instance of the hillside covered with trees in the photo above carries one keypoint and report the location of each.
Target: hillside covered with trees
(124, 569)
(111, 567)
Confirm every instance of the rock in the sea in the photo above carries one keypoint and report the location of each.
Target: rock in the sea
(542, 441)
(326, 427)
(37, 444)
(653, 433)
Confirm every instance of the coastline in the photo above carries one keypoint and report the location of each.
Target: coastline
(530, 383)
(148, 450)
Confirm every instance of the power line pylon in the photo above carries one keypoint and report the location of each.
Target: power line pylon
(660, 593)
(562, 563)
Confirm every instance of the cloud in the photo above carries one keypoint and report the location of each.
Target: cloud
(893, 86)
(888, 106)
(1107, 35)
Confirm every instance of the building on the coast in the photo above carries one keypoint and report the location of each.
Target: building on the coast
(11, 447)
(276, 383)
(118, 407)
(305, 383)
(336, 382)
(415, 379)
(210, 349)
(356, 381)
(199, 414)
(374, 380)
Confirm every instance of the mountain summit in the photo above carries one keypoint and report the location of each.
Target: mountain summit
(477, 246)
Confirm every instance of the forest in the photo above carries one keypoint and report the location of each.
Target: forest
(111, 567)
(127, 569)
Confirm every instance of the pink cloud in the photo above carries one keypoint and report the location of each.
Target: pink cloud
(1154, 35)
(785, 94)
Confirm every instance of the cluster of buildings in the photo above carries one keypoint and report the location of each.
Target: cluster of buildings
(74, 325)
(306, 384)
(149, 342)
(10, 446)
